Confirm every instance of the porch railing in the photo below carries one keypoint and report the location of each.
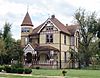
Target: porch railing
(45, 63)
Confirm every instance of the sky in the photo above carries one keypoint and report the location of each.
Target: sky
(14, 11)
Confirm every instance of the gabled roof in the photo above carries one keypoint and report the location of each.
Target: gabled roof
(61, 26)
(28, 45)
(27, 20)
(72, 28)
(56, 22)
(35, 30)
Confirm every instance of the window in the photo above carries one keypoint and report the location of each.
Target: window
(77, 38)
(49, 28)
(30, 40)
(64, 39)
(65, 57)
(49, 38)
(76, 41)
(72, 40)
(26, 41)
(25, 30)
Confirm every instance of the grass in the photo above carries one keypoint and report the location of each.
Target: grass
(70, 73)
(47, 72)
(84, 73)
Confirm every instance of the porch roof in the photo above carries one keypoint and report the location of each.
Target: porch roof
(46, 48)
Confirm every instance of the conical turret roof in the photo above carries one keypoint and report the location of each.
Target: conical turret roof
(27, 20)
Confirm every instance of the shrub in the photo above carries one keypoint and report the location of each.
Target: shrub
(18, 65)
(14, 70)
(64, 72)
(1, 68)
(28, 71)
(37, 67)
(20, 70)
(7, 69)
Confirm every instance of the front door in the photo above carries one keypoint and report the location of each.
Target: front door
(29, 58)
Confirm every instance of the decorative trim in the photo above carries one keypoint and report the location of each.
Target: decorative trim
(27, 46)
(60, 51)
(45, 23)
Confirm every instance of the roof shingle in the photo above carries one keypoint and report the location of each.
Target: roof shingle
(72, 28)
(27, 20)
(61, 26)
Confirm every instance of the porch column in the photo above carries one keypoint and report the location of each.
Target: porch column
(24, 59)
(34, 54)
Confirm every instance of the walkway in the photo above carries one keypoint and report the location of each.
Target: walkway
(38, 76)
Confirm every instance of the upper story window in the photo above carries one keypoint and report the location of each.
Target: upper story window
(72, 40)
(49, 28)
(65, 57)
(77, 38)
(64, 39)
(25, 30)
(30, 40)
(49, 38)
(26, 40)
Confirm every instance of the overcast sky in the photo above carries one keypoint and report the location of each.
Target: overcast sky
(13, 11)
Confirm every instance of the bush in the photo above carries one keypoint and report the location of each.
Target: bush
(14, 70)
(7, 69)
(28, 71)
(37, 67)
(64, 72)
(18, 65)
(1, 68)
(20, 70)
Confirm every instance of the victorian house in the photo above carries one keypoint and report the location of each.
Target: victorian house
(48, 45)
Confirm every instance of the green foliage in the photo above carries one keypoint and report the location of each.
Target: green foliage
(6, 44)
(7, 35)
(7, 69)
(7, 30)
(71, 74)
(16, 52)
(1, 68)
(9, 48)
(64, 72)
(13, 70)
(28, 71)
(98, 34)
(88, 23)
(18, 65)
(20, 70)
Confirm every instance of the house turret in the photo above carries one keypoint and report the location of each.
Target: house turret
(26, 29)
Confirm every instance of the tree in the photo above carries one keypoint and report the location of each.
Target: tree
(88, 28)
(7, 35)
(1, 50)
(16, 52)
(9, 47)
(98, 29)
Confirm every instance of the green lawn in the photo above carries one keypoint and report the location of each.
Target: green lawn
(84, 73)
(70, 73)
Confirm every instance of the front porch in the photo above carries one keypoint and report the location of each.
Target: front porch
(42, 56)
